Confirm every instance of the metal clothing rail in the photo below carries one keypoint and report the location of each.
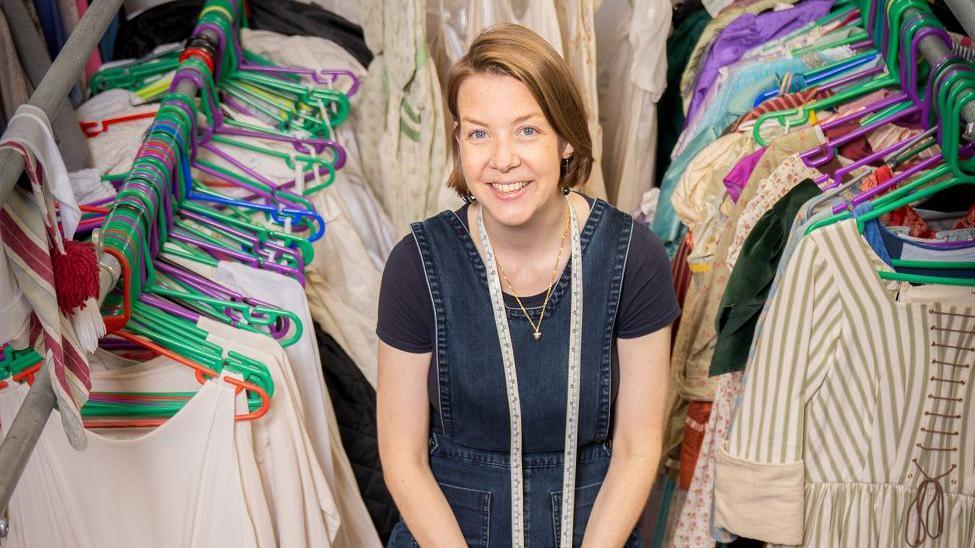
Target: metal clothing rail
(50, 93)
(935, 52)
(964, 11)
(26, 428)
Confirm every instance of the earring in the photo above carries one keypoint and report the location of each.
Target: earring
(469, 198)
(566, 190)
(565, 162)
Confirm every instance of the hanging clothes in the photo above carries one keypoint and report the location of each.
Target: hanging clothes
(62, 498)
(680, 43)
(354, 401)
(401, 120)
(701, 49)
(833, 275)
(628, 105)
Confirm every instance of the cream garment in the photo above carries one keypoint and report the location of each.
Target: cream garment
(456, 36)
(345, 9)
(112, 373)
(357, 529)
(302, 508)
(400, 122)
(343, 286)
(177, 485)
(701, 199)
(840, 437)
(114, 150)
(15, 309)
(577, 21)
(633, 78)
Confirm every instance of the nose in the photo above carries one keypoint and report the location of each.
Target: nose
(504, 157)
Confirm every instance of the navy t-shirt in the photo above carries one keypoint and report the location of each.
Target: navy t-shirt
(406, 319)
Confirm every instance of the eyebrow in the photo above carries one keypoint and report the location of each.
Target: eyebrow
(517, 120)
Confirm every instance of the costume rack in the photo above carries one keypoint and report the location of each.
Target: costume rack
(26, 428)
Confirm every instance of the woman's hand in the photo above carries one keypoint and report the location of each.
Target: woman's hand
(639, 413)
(403, 413)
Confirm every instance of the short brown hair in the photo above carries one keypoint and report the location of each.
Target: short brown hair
(516, 51)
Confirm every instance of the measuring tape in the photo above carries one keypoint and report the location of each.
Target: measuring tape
(511, 386)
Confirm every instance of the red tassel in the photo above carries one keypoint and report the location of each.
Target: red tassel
(75, 275)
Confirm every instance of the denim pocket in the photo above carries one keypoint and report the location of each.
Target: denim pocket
(472, 509)
(584, 499)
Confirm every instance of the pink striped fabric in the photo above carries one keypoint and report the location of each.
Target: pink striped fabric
(28, 231)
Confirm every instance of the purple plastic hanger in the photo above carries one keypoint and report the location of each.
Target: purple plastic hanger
(258, 246)
(324, 76)
(301, 144)
(921, 104)
(869, 159)
(827, 150)
(217, 291)
(170, 307)
(904, 175)
(274, 197)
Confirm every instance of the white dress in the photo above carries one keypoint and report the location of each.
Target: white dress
(179, 484)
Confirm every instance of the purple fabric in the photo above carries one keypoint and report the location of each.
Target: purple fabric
(746, 32)
(737, 178)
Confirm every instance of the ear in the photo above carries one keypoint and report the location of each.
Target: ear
(567, 150)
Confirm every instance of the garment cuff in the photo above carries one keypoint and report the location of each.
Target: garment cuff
(759, 501)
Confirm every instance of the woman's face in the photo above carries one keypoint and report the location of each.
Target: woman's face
(509, 153)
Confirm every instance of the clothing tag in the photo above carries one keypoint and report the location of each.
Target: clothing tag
(299, 174)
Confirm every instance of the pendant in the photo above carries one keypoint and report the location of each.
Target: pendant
(537, 335)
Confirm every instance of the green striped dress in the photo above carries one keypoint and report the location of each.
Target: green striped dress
(857, 427)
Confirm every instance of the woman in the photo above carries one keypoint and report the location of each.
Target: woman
(493, 340)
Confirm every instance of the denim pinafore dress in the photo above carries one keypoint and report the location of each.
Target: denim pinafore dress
(469, 445)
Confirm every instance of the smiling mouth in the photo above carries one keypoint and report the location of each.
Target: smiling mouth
(509, 188)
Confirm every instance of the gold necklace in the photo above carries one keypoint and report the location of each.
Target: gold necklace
(548, 293)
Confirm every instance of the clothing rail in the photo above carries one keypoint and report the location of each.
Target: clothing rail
(27, 426)
(964, 11)
(935, 52)
(53, 89)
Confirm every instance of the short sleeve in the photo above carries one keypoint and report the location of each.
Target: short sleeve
(647, 299)
(405, 310)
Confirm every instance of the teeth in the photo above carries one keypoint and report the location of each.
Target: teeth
(510, 187)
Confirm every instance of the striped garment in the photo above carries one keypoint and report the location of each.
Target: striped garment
(28, 232)
(857, 425)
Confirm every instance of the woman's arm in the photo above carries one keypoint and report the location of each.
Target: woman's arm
(403, 413)
(639, 410)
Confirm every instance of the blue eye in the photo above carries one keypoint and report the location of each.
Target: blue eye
(477, 134)
(529, 132)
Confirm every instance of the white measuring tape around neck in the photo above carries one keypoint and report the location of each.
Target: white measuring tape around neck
(511, 386)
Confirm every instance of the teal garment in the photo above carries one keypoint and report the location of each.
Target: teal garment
(670, 493)
(751, 280)
(731, 101)
(670, 108)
